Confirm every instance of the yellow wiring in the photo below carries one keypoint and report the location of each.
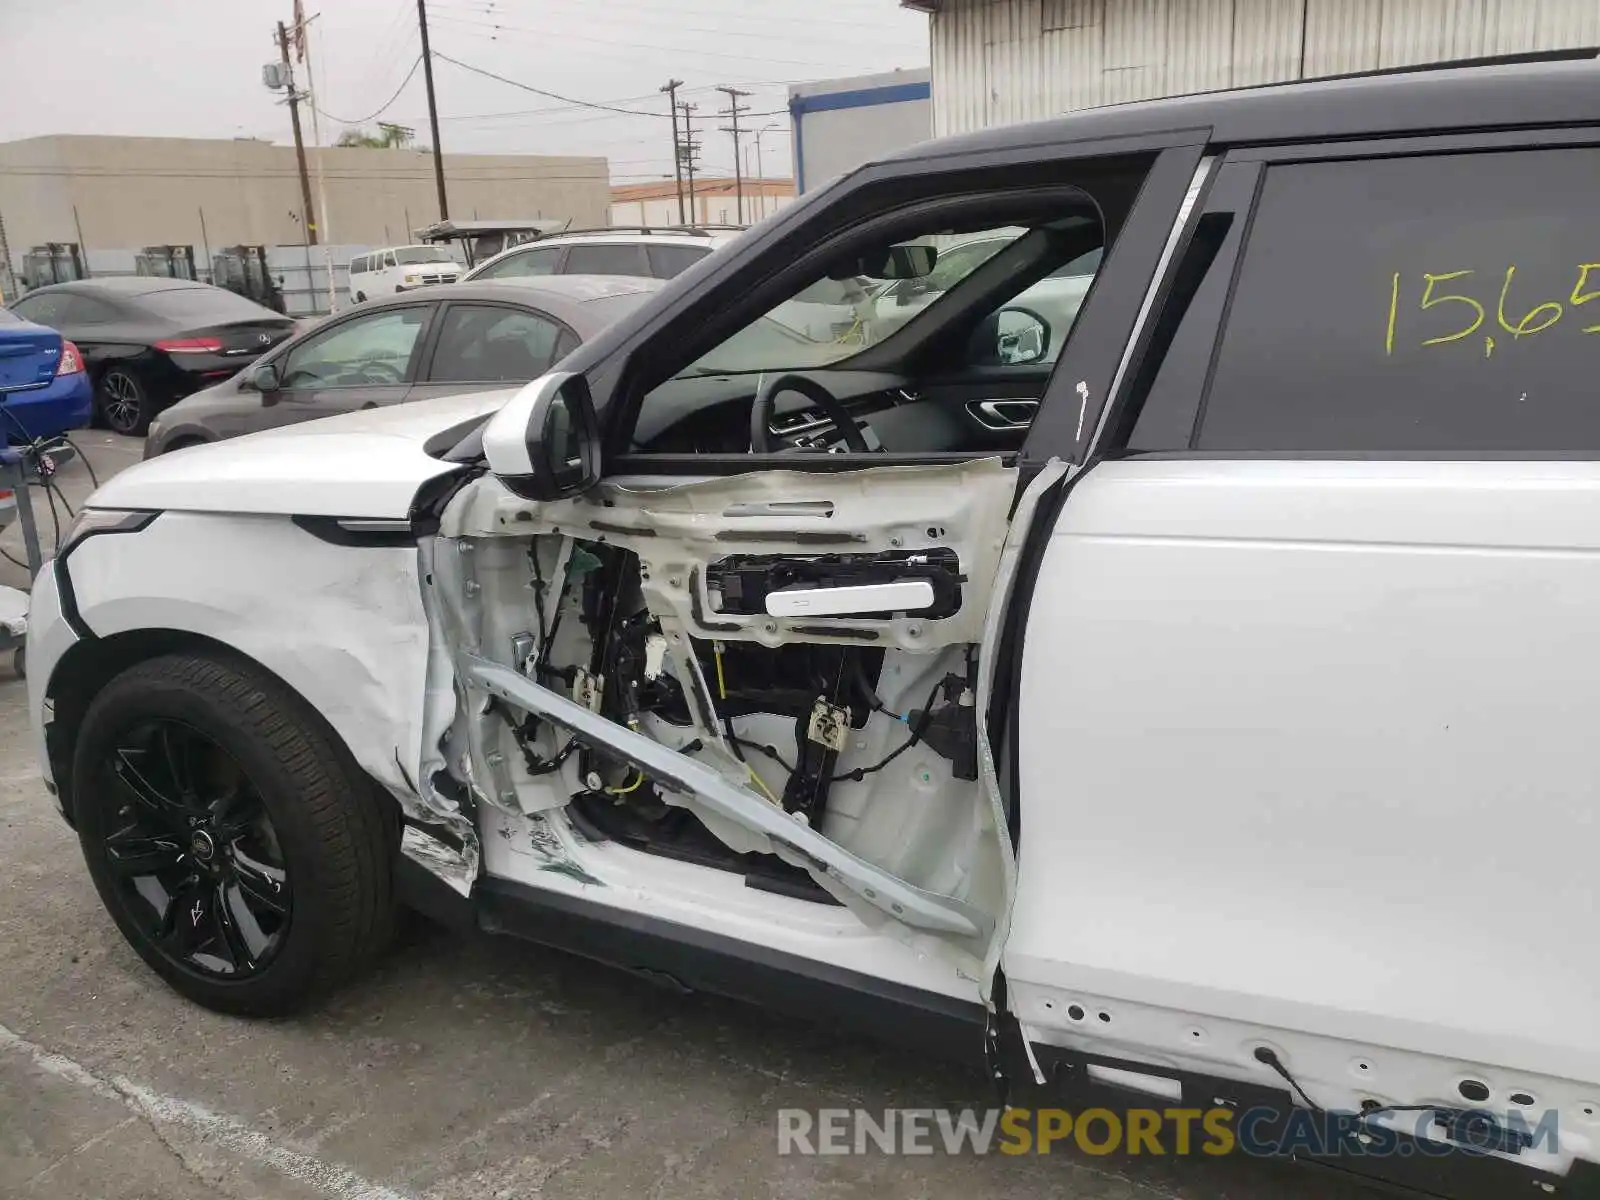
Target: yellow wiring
(632, 787)
(722, 683)
(761, 783)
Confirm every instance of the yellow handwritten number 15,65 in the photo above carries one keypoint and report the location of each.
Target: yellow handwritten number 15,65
(1535, 320)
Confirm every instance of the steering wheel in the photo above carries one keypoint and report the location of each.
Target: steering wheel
(762, 440)
(376, 370)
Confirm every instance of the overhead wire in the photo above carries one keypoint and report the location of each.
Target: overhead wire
(383, 108)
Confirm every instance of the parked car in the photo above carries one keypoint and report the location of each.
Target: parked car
(432, 342)
(657, 253)
(401, 269)
(147, 342)
(1207, 715)
(44, 390)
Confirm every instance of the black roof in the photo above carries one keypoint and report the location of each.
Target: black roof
(123, 285)
(1552, 90)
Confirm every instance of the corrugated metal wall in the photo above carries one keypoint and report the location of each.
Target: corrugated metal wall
(999, 61)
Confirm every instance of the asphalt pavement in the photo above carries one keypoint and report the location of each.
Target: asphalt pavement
(461, 1067)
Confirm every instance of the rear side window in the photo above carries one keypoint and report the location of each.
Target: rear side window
(483, 343)
(358, 265)
(667, 261)
(201, 304)
(523, 265)
(1441, 304)
(606, 258)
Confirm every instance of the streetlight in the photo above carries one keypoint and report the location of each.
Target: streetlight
(761, 166)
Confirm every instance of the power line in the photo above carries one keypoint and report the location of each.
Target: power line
(765, 17)
(382, 108)
(627, 112)
(543, 37)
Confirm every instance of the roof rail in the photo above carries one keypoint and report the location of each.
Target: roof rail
(689, 230)
(1456, 64)
(598, 229)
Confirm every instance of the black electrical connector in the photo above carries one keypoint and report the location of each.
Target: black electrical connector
(950, 729)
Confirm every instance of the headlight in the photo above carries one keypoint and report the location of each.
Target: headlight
(104, 520)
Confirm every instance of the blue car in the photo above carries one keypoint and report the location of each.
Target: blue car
(44, 390)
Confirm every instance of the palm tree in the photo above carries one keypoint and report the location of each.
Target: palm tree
(388, 137)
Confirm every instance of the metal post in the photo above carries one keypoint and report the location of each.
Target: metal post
(18, 476)
(83, 246)
(677, 150)
(205, 244)
(304, 42)
(734, 109)
(306, 210)
(433, 110)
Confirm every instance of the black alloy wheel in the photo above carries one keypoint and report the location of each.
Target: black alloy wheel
(239, 847)
(199, 863)
(124, 402)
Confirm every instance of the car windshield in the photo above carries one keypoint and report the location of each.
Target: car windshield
(7, 317)
(408, 255)
(830, 319)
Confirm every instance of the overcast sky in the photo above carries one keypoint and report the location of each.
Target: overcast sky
(191, 68)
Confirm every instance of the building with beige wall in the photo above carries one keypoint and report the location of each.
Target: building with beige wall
(716, 202)
(133, 192)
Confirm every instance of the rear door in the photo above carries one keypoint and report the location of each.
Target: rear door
(480, 346)
(1307, 672)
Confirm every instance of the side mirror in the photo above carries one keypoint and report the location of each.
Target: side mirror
(264, 378)
(1021, 336)
(545, 443)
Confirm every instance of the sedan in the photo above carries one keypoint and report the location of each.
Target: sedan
(44, 390)
(435, 341)
(148, 342)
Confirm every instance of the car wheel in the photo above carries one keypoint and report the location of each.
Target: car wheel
(124, 402)
(183, 444)
(361, 297)
(239, 849)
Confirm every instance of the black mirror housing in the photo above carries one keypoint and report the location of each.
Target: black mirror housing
(264, 377)
(906, 261)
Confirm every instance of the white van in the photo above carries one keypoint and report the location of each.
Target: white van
(401, 268)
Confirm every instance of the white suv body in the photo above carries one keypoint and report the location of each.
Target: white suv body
(646, 253)
(1201, 704)
(400, 269)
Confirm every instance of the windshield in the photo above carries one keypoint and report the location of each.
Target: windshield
(831, 319)
(422, 254)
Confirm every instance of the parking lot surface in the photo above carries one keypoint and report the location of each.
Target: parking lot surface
(463, 1067)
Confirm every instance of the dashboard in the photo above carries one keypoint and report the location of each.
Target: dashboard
(982, 410)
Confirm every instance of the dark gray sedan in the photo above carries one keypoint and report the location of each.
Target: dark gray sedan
(431, 342)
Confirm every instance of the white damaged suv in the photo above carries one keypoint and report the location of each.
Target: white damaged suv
(1201, 704)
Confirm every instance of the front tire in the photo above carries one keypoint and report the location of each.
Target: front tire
(124, 402)
(241, 852)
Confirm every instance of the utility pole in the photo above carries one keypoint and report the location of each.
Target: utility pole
(433, 109)
(689, 152)
(761, 165)
(671, 91)
(734, 109)
(299, 141)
